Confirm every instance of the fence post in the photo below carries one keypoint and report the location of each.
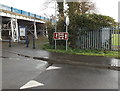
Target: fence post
(99, 38)
(110, 38)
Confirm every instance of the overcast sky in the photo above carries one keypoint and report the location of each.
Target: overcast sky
(105, 7)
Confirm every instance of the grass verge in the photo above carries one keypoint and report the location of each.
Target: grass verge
(105, 53)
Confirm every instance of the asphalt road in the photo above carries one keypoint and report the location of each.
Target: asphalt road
(17, 70)
(21, 73)
(63, 76)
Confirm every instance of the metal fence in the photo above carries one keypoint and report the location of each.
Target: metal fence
(104, 38)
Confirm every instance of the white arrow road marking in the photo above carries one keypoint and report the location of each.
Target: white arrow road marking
(31, 84)
(53, 68)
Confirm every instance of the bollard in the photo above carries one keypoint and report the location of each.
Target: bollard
(33, 42)
(9, 42)
(27, 42)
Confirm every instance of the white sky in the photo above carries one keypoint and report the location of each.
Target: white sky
(105, 7)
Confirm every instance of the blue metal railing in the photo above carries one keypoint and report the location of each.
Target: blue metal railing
(24, 13)
(32, 15)
(11, 9)
(16, 10)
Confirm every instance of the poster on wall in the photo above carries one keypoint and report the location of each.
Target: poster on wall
(22, 31)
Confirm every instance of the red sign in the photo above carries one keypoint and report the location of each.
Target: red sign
(60, 35)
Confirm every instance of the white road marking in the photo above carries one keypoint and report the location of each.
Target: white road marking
(31, 84)
(45, 57)
(53, 68)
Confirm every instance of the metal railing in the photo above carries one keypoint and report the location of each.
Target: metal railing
(104, 38)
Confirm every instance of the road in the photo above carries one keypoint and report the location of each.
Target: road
(20, 73)
(63, 76)
(18, 70)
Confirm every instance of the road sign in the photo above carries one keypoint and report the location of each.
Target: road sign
(67, 21)
(60, 35)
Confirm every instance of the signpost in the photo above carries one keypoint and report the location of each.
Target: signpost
(62, 35)
(56, 22)
(67, 24)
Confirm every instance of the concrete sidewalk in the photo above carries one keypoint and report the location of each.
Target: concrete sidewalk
(61, 58)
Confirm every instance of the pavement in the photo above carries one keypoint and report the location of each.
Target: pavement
(52, 57)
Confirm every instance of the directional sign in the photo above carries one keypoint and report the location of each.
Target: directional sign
(60, 35)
